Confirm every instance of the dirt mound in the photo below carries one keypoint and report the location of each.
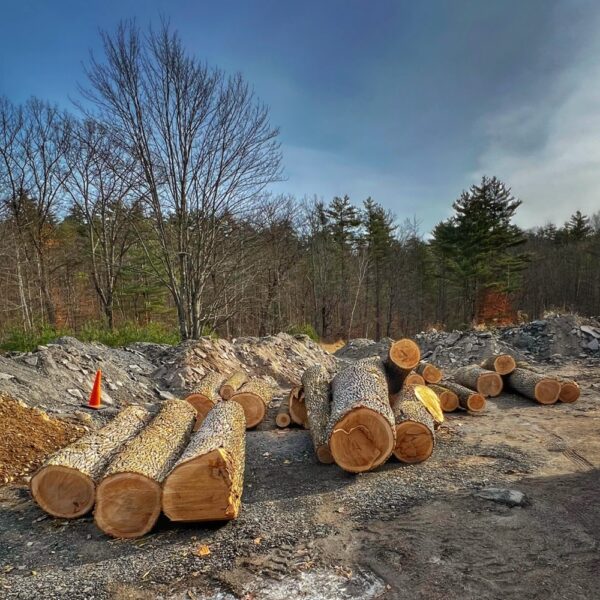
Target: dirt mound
(28, 437)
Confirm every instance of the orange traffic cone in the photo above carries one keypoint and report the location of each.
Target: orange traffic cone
(96, 395)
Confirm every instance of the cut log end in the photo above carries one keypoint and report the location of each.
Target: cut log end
(405, 354)
(254, 408)
(362, 440)
(448, 400)
(127, 505)
(227, 391)
(203, 405)
(504, 364)
(283, 420)
(431, 374)
(569, 392)
(200, 490)
(414, 379)
(324, 455)
(297, 407)
(429, 399)
(476, 402)
(63, 492)
(414, 442)
(490, 384)
(547, 391)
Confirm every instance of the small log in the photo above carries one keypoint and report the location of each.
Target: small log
(128, 499)
(534, 386)
(207, 481)
(415, 432)
(501, 363)
(205, 395)
(448, 398)
(569, 391)
(233, 384)
(315, 382)
(488, 383)
(523, 364)
(297, 406)
(413, 378)
(361, 428)
(283, 418)
(429, 372)
(467, 398)
(403, 356)
(65, 485)
(254, 396)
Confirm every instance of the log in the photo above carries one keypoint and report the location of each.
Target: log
(535, 386)
(403, 356)
(254, 396)
(317, 399)
(569, 391)
(467, 398)
(128, 499)
(297, 406)
(501, 363)
(361, 428)
(413, 378)
(65, 485)
(488, 383)
(415, 432)
(522, 364)
(448, 398)
(429, 372)
(206, 483)
(283, 418)
(232, 384)
(205, 395)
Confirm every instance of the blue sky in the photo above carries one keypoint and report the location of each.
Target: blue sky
(408, 102)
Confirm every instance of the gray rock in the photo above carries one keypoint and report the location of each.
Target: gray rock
(6, 376)
(164, 395)
(503, 496)
(75, 393)
(594, 345)
(31, 360)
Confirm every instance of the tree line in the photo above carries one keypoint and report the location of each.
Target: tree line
(152, 204)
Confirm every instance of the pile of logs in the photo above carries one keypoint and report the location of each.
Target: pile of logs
(138, 465)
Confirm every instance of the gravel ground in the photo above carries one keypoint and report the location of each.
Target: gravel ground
(313, 531)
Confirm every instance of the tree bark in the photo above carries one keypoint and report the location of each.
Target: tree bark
(65, 485)
(542, 389)
(255, 397)
(233, 383)
(415, 432)
(205, 395)
(361, 428)
(206, 483)
(317, 399)
(128, 499)
(488, 383)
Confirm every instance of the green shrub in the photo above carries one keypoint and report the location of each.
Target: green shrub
(305, 329)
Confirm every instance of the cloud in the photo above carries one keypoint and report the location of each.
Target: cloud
(548, 149)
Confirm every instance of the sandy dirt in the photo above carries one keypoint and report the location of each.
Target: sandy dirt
(314, 532)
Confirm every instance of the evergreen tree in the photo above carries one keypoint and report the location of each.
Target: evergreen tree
(578, 227)
(476, 245)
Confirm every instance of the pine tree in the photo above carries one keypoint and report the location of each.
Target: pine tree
(476, 244)
(578, 227)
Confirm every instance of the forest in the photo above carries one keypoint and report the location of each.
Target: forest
(147, 209)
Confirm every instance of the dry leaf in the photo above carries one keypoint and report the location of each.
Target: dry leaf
(202, 550)
(257, 540)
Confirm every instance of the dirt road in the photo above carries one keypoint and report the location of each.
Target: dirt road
(314, 532)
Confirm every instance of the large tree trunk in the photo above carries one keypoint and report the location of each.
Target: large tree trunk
(488, 383)
(415, 432)
(501, 363)
(206, 483)
(317, 399)
(233, 383)
(65, 485)
(255, 397)
(534, 386)
(297, 406)
(429, 372)
(467, 398)
(361, 428)
(128, 499)
(448, 398)
(403, 356)
(205, 395)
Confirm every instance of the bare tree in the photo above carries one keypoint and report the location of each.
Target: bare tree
(204, 145)
(104, 185)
